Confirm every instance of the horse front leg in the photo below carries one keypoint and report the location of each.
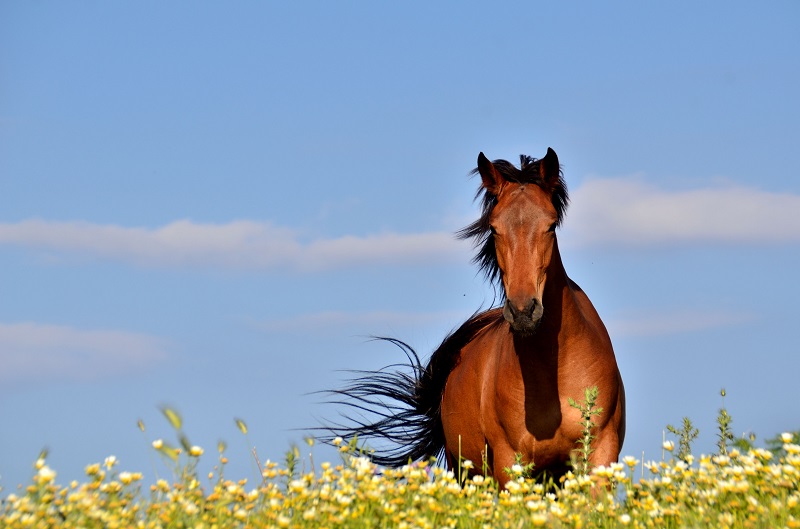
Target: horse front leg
(502, 459)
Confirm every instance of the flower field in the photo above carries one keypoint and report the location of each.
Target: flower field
(754, 489)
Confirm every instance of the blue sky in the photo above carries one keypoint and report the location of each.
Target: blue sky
(212, 207)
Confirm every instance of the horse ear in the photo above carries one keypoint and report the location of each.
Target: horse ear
(492, 180)
(549, 168)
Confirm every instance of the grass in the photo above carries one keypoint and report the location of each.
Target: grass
(732, 489)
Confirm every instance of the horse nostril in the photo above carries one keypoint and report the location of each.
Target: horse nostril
(531, 312)
(536, 309)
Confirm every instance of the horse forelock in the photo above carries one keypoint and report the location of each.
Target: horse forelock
(481, 231)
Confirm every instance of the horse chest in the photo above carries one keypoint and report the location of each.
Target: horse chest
(534, 419)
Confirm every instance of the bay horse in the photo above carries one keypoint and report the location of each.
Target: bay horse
(497, 390)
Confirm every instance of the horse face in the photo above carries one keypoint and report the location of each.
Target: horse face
(523, 224)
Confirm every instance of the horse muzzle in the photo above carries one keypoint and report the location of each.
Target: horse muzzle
(526, 319)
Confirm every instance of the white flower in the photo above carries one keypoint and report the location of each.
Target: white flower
(630, 461)
(467, 464)
(110, 461)
(158, 444)
(669, 445)
(46, 474)
(195, 451)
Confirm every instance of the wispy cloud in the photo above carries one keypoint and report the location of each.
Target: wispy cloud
(44, 352)
(630, 211)
(371, 320)
(675, 322)
(239, 244)
(623, 211)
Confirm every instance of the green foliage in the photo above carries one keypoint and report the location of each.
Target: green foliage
(724, 420)
(520, 468)
(588, 409)
(685, 435)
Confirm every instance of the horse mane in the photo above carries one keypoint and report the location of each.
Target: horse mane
(481, 231)
(401, 409)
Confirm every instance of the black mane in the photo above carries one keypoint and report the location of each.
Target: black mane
(480, 230)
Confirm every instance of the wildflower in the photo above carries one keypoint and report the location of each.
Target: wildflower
(516, 469)
(539, 519)
(46, 474)
(478, 480)
(467, 464)
(630, 461)
(624, 519)
(158, 444)
(297, 485)
(109, 462)
(92, 470)
(721, 460)
(195, 451)
(603, 471)
(787, 437)
(337, 441)
(39, 463)
(669, 446)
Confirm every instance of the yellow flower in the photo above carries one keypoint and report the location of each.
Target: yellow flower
(195, 451)
(539, 519)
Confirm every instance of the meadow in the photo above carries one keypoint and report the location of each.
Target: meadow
(741, 486)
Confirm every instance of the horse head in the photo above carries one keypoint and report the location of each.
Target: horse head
(516, 232)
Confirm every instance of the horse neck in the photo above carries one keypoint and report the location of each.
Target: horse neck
(557, 293)
(560, 309)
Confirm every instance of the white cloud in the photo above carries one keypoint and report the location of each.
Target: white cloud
(675, 322)
(372, 319)
(239, 244)
(624, 211)
(630, 211)
(40, 351)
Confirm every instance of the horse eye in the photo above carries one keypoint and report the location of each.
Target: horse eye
(553, 226)
(494, 231)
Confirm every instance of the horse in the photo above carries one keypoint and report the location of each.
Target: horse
(497, 391)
